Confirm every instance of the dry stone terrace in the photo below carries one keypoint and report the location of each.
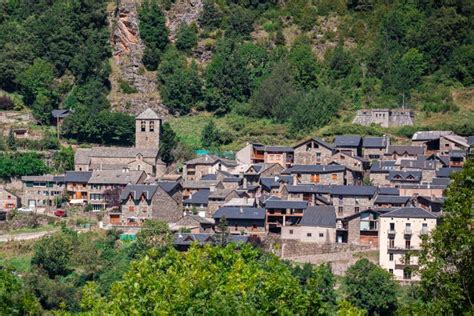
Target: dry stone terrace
(362, 192)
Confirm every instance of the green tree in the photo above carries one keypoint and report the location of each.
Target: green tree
(63, 159)
(461, 65)
(168, 142)
(210, 136)
(210, 17)
(206, 279)
(186, 39)
(240, 23)
(408, 72)
(15, 298)
(36, 79)
(370, 287)
(53, 254)
(303, 63)
(153, 32)
(154, 234)
(447, 273)
(11, 140)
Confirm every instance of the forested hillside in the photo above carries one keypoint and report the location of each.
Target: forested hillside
(299, 65)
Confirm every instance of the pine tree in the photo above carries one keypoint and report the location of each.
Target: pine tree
(168, 143)
(11, 141)
(210, 136)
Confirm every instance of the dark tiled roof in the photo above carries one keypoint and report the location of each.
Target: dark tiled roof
(374, 142)
(232, 212)
(209, 177)
(391, 199)
(148, 114)
(410, 212)
(383, 166)
(316, 169)
(200, 197)
(285, 204)
(168, 186)
(318, 141)
(278, 149)
(137, 190)
(353, 190)
(319, 216)
(59, 113)
(429, 135)
(389, 191)
(347, 141)
(232, 179)
(302, 188)
(410, 150)
(420, 163)
(269, 183)
(78, 176)
(470, 140)
(58, 179)
(446, 172)
(441, 181)
(405, 176)
(457, 154)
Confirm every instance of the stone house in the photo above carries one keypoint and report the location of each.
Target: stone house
(218, 198)
(349, 144)
(360, 228)
(278, 154)
(432, 190)
(384, 117)
(379, 172)
(429, 140)
(76, 186)
(384, 201)
(105, 187)
(254, 172)
(274, 185)
(449, 143)
(318, 225)
(280, 213)
(196, 168)
(193, 223)
(351, 199)
(428, 168)
(400, 237)
(355, 166)
(191, 187)
(246, 220)
(374, 147)
(139, 202)
(305, 192)
(250, 154)
(232, 182)
(318, 174)
(399, 152)
(314, 151)
(42, 192)
(197, 203)
(8, 200)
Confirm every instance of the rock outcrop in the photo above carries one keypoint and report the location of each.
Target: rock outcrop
(182, 11)
(127, 64)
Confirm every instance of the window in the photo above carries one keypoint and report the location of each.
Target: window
(340, 210)
(321, 234)
(318, 155)
(315, 178)
(131, 208)
(356, 209)
(291, 231)
(334, 176)
(143, 126)
(390, 270)
(152, 126)
(406, 274)
(390, 256)
(308, 234)
(392, 226)
(391, 243)
(407, 244)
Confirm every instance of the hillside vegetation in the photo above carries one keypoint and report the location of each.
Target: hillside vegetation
(269, 71)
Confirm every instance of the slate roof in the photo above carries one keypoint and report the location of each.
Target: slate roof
(83, 155)
(391, 199)
(420, 163)
(348, 141)
(446, 172)
(353, 190)
(302, 188)
(285, 204)
(43, 178)
(232, 179)
(278, 149)
(168, 186)
(60, 113)
(374, 142)
(209, 177)
(315, 169)
(409, 212)
(78, 176)
(429, 135)
(269, 183)
(240, 202)
(458, 140)
(400, 150)
(137, 190)
(457, 154)
(148, 114)
(388, 191)
(405, 176)
(441, 181)
(199, 197)
(220, 194)
(210, 160)
(203, 184)
(317, 140)
(231, 212)
(115, 176)
(383, 166)
(470, 140)
(319, 216)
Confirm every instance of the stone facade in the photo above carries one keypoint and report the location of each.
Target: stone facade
(312, 153)
(349, 205)
(8, 200)
(333, 178)
(41, 192)
(379, 179)
(384, 117)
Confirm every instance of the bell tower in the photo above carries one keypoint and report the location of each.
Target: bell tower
(147, 130)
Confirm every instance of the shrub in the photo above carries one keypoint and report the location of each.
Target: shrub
(126, 88)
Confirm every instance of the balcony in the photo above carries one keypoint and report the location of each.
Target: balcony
(407, 231)
(391, 231)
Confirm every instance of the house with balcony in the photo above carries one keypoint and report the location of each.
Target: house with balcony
(280, 213)
(317, 225)
(42, 192)
(359, 228)
(400, 237)
(281, 155)
(317, 174)
(314, 151)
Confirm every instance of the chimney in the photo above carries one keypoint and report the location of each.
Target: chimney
(212, 187)
(276, 179)
(295, 182)
(245, 183)
(241, 209)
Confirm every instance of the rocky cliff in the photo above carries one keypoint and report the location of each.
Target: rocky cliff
(127, 67)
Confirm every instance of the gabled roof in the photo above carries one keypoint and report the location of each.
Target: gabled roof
(374, 142)
(148, 114)
(201, 184)
(302, 188)
(383, 166)
(405, 176)
(199, 197)
(319, 216)
(462, 141)
(210, 160)
(220, 194)
(60, 113)
(419, 163)
(231, 212)
(285, 204)
(441, 181)
(138, 190)
(169, 186)
(446, 172)
(115, 176)
(315, 169)
(400, 150)
(391, 199)
(316, 140)
(353, 141)
(278, 149)
(409, 212)
(353, 190)
(78, 176)
(388, 191)
(429, 135)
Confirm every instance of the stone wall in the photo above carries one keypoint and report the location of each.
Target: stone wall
(384, 117)
(286, 248)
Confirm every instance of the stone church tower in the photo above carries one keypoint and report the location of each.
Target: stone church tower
(147, 130)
